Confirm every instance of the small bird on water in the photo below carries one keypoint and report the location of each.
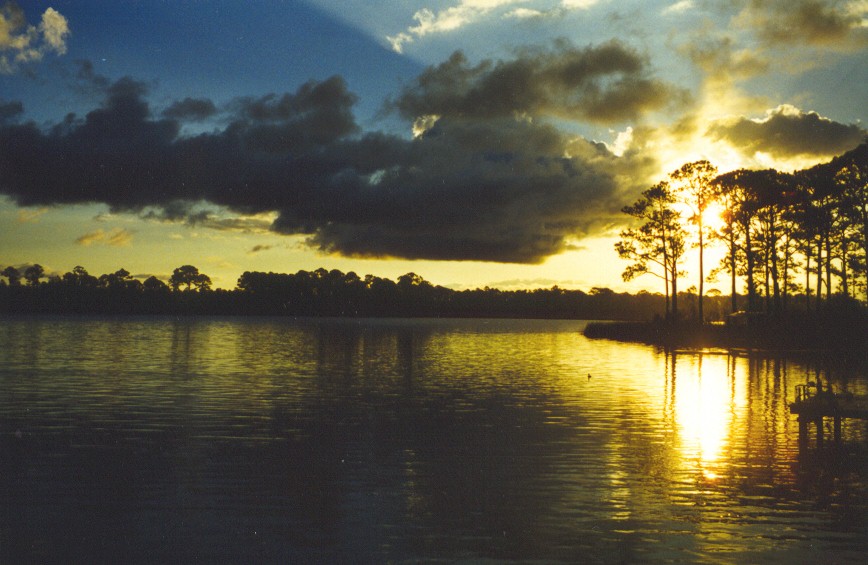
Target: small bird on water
(589, 376)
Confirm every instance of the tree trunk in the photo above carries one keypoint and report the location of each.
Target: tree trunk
(733, 294)
(701, 272)
(766, 273)
(845, 288)
(819, 273)
(776, 284)
(865, 247)
(751, 285)
(666, 271)
(674, 294)
(828, 267)
(808, 279)
(666, 285)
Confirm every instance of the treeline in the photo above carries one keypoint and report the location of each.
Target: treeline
(785, 234)
(308, 293)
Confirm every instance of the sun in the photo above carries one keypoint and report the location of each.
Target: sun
(713, 217)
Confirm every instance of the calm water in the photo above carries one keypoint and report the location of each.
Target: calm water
(272, 440)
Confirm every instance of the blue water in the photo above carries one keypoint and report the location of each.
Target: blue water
(278, 440)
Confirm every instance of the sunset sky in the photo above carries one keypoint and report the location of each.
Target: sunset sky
(474, 142)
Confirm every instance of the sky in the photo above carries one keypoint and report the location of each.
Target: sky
(473, 142)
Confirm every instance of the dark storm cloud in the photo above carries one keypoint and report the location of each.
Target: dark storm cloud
(192, 109)
(495, 189)
(461, 195)
(605, 84)
(789, 132)
(319, 113)
(10, 110)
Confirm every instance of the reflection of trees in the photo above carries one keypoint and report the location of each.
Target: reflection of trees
(448, 449)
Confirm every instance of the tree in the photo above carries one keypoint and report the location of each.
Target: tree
(13, 275)
(774, 194)
(33, 273)
(119, 279)
(191, 277)
(727, 192)
(658, 242)
(153, 284)
(852, 177)
(694, 182)
(821, 219)
(79, 277)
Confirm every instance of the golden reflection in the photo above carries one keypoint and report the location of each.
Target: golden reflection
(704, 402)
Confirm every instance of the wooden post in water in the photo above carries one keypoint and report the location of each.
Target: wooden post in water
(803, 431)
(825, 403)
(819, 422)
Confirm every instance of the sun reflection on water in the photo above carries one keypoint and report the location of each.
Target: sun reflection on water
(704, 405)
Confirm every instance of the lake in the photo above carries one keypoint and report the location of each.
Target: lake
(260, 440)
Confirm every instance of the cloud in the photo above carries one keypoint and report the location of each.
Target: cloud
(467, 12)
(828, 23)
(231, 224)
(54, 29)
(118, 237)
(191, 109)
(579, 4)
(530, 13)
(10, 110)
(540, 283)
(679, 7)
(477, 184)
(722, 60)
(21, 42)
(258, 248)
(786, 132)
(558, 11)
(605, 84)
(30, 216)
(449, 19)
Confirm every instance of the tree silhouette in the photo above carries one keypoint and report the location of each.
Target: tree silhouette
(851, 175)
(822, 220)
(153, 284)
(727, 192)
(33, 273)
(79, 277)
(191, 277)
(13, 275)
(772, 194)
(658, 241)
(694, 182)
(119, 279)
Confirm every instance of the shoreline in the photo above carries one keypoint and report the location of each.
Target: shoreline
(847, 339)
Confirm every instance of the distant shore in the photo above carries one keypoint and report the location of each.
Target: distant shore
(848, 337)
